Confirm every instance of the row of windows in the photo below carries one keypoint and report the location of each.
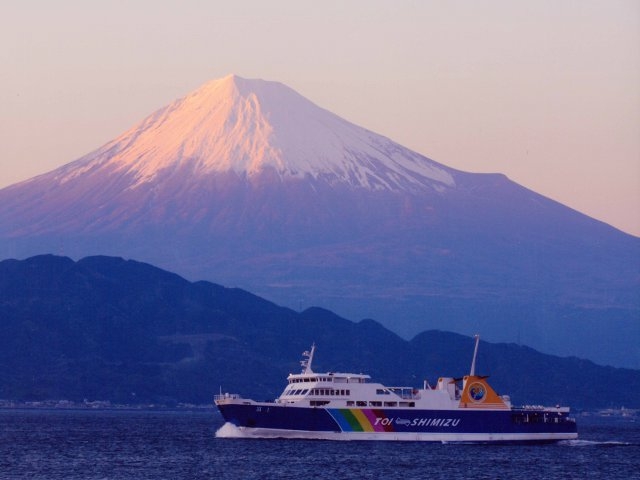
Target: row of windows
(362, 403)
(319, 392)
(311, 379)
(297, 392)
(330, 391)
(328, 379)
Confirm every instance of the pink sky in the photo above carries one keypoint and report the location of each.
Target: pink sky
(547, 92)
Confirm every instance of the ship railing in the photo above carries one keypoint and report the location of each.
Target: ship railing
(542, 408)
(226, 396)
(405, 393)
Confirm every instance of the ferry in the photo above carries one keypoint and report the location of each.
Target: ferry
(349, 406)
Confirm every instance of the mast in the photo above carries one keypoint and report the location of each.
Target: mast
(475, 354)
(306, 362)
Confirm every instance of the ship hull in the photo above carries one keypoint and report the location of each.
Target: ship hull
(267, 420)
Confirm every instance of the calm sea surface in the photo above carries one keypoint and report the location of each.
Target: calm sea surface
(55, 444)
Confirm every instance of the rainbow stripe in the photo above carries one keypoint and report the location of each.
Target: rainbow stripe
(361, 419)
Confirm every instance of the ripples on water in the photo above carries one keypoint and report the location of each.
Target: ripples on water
(45, 444)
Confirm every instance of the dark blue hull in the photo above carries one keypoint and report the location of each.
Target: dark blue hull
(400, 424)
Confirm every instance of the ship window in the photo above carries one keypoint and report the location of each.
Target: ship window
(350, 403)
(361, 403)
(375, 404)
(390, 404)
(304, 392)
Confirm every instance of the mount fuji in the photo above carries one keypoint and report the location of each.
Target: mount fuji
(247, 183)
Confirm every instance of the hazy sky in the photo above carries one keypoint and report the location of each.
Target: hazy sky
(545, 91)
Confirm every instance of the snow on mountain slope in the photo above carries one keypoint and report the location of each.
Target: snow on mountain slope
(249, 126)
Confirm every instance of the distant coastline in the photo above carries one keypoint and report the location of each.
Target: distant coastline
(97, 405)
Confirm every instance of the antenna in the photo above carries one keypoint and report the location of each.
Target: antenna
(475, 354)
(306, 363)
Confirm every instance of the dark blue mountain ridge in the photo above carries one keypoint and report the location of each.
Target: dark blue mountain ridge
(105, 328)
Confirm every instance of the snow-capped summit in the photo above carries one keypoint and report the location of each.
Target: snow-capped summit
(249, 126)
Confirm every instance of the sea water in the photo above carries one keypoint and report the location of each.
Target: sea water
(116, 444)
